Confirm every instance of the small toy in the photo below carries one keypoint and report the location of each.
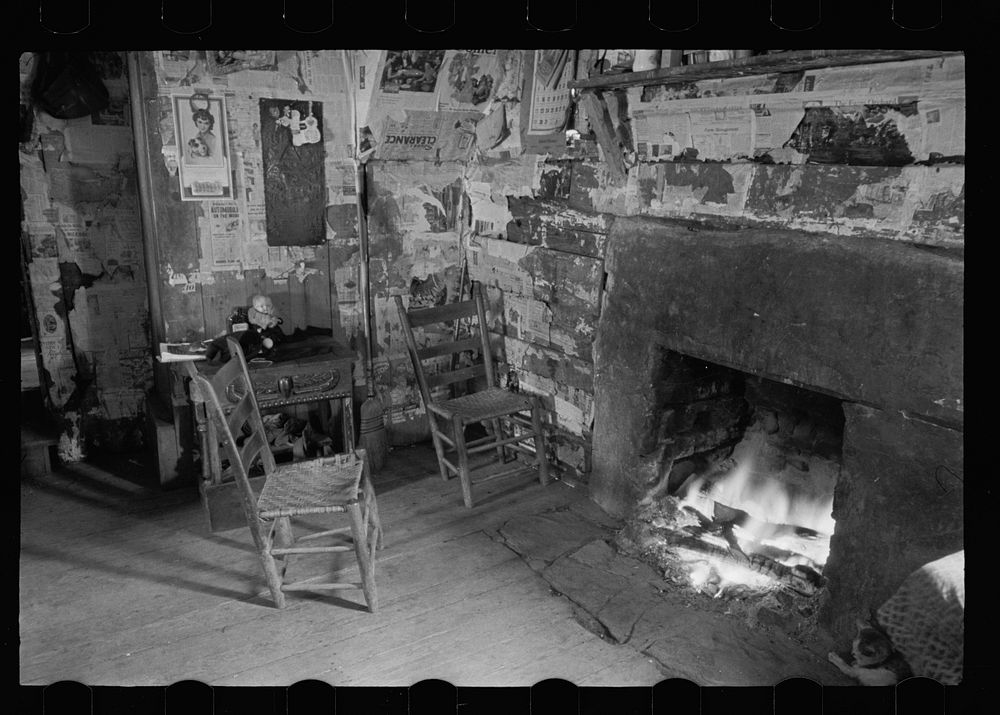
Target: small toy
(263, 334)
(258, 337)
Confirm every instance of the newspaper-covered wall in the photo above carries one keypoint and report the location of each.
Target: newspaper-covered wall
(923, 101)
(233, 233)
(84, 264)
(415, 235)
(427, 104)
(873, 150)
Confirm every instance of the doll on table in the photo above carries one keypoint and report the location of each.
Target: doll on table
(264, 322)
(261, 336)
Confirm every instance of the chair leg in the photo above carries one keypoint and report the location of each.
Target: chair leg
(283, 536)
(274, 578)
(371, 507)
(498, 435)
(536, 424)
(463, 461)
(283, 531)
(366, 564)
(263, 541)
(438, 445)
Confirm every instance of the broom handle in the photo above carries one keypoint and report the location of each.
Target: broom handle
(461, 294)
(363, 278)
(359, 192)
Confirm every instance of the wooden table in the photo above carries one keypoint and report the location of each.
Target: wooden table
(317, 378)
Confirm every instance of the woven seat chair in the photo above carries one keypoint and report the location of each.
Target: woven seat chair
(510, 418)
(322, 485)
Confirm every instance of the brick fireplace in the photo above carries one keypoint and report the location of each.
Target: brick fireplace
(742, 320)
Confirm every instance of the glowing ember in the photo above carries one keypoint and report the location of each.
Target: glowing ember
(716, 575)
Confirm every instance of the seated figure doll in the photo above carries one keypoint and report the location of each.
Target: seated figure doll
(260, 337)
(264, 322)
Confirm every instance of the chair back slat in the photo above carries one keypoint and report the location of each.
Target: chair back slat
(239, 416)
(460, 375)
(484, 334)
(449, 348)
(229, 379)
(411, 348)
(442, 313)
(228, 418)
(478, 341)
(253, 446)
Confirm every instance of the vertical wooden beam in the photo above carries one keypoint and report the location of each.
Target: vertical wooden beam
(600, 122)
(147, 216)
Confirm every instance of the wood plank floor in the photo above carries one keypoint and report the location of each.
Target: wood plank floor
(121, 584)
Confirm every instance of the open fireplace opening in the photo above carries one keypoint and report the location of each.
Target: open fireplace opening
(739, 499)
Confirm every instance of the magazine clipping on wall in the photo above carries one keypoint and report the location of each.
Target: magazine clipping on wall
(411, 70)
(202, 140)
(174, 65)
(470, 78)
(221, 62)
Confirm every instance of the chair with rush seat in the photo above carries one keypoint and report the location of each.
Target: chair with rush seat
(510, 418)
(322, 485)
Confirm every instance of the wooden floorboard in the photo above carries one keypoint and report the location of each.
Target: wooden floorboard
(121, 584)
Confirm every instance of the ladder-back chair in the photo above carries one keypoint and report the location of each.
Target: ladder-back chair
(323, 485)
(510, 418)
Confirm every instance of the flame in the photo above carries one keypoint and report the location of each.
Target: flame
(772, 499)
(775, 503)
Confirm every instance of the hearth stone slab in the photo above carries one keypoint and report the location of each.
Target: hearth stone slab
(542, 538)
(576, 580)
(709, 647)
(637, 609)
(623, 610)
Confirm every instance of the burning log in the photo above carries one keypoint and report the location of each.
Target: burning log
(712, 552)
(801, 579)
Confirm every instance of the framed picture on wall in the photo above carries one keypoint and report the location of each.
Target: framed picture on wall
(202, 139)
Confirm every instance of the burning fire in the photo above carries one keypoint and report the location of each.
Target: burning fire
(783, 516)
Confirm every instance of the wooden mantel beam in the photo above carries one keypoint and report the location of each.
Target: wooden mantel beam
(792, 61)
(600, 121)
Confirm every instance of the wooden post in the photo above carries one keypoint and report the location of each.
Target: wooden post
(600, 122)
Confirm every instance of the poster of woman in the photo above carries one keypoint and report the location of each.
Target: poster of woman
(202, 146)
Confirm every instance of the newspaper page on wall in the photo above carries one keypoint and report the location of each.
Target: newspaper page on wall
(202, 140)
(427, 135)
(404, 80)
(226, 236)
